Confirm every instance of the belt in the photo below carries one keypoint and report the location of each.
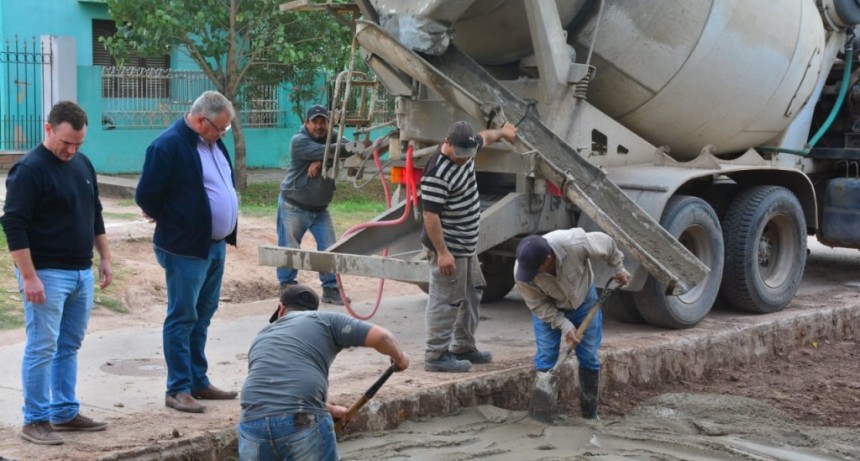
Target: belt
(304, 419)
(219, 240)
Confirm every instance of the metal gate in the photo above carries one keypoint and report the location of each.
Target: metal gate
(25, 82)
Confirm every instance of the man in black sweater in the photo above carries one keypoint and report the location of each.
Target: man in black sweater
(52, 218)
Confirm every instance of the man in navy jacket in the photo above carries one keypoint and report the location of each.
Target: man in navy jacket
(187, 188)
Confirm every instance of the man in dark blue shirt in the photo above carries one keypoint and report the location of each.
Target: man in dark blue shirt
(52, 218)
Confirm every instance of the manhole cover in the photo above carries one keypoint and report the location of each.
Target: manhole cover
(135, 367)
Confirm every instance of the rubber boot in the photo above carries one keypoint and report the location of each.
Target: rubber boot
(589, 390)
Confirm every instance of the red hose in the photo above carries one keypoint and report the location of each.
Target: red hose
(411, 199)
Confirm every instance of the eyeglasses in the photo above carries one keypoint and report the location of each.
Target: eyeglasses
(220, 131)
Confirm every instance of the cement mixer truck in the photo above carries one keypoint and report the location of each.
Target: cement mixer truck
(710, 138)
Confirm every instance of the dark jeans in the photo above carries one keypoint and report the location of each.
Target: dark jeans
(193, 289)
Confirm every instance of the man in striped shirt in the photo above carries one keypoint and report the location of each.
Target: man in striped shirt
(452, 211)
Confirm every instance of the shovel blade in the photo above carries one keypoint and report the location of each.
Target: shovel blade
(544, 404)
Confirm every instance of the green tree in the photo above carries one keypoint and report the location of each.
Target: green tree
(237, 44)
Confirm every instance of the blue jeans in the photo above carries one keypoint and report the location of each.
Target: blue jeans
(55, 331)
(193, 289)
(280, 439)
(548, 339)
(292, 224)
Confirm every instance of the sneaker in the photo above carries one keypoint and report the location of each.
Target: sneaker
(447, 363)
(41, 433)
(332, 296)
(80, 423)
(474, 356)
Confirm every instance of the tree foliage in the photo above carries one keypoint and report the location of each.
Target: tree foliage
(237, 43)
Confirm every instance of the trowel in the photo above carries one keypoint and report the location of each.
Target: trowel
(544, 404)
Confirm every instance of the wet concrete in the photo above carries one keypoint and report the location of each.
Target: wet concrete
(668, 427)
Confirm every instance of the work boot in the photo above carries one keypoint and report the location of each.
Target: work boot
(475, 356)
(447, 363)
(589, 391)
(80, 423)
(42, 433)
(332, 296)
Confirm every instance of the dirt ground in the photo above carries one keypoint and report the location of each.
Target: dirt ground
(139, 280)
(818, 385)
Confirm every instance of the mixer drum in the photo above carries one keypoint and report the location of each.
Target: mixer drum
(688, 73)
(682, 73)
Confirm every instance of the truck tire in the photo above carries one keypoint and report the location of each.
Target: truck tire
(621, 306)
(765, 237)
(694, 223)
(498, 273)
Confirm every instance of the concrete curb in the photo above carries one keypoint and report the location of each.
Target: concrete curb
(116, 187)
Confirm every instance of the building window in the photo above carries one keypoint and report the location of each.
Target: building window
(136, 84)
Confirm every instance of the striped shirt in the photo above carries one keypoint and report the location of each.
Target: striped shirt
(450, 190)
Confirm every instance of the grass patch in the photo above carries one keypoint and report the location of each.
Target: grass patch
(107, 297)
(350, 206)
(260, 199)
(122, 216)
(126, 202)
(11, 309)
(109, 303)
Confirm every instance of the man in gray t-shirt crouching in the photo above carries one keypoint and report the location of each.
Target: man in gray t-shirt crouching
(285, 413)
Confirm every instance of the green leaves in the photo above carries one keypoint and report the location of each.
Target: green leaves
(236, 42)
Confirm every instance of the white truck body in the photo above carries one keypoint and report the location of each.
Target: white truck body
(700, 115)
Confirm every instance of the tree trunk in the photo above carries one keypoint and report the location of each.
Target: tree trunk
(239, 168)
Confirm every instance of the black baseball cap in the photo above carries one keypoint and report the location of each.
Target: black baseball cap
(316, 111)
(299, 297)
(531, 254)
(463, 139)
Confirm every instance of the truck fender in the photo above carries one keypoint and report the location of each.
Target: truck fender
(651, 187)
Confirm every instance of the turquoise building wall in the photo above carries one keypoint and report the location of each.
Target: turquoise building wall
(29, 18)
(122, 150)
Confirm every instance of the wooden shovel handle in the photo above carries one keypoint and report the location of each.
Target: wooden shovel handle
(587, 320)
(339, 425)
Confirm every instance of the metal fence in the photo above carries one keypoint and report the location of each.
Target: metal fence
(139, 97)
(25, 82)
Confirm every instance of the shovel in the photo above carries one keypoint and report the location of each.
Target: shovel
(339, 425)
(544, 403)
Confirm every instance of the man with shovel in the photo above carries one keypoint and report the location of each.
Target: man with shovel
(285, 413)
(554, 276)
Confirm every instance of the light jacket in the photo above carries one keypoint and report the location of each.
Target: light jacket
(548, 295)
